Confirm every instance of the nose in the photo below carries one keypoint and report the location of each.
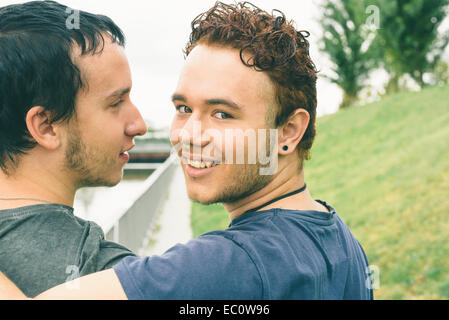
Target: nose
(136, 125)
(192, 132)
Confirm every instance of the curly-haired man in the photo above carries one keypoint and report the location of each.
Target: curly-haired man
(247, 73)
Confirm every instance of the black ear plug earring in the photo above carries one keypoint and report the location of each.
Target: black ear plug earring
(285, 148)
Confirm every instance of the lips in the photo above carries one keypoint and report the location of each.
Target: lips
(196, 172)
(197, 167)
(124, 156)
(200, 164)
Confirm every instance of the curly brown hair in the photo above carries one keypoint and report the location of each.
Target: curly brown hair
(273, 46)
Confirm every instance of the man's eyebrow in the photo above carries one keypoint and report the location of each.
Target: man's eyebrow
(209, 102)
(119, 93)
(225, 102)
(178, 97)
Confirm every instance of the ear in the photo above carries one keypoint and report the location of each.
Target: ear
(291, 133)
(41, 129)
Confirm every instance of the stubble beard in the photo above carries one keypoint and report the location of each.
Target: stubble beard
(246, 181)
(87, 165)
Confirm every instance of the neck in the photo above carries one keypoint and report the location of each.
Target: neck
(288, 179)
(35, 180)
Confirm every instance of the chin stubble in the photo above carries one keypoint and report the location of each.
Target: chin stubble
(245, 183)
(77, 160)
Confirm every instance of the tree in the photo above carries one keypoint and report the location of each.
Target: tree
(410, 38)
(347, 40)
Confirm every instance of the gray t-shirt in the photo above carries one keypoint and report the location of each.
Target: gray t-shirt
(42, 246)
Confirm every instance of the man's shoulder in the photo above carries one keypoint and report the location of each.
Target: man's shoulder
(53, 234)
(209, 245)
(40, 245)
(26, 211)
(48, 220)
(211, 266)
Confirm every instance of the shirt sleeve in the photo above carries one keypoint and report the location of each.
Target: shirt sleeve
(96, 253)
(110, 254)
(206, 268)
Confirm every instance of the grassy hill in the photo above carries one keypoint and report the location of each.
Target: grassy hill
(385, 168)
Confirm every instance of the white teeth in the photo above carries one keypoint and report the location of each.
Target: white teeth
(200, 164)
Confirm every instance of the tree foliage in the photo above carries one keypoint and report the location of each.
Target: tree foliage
(347, 40)
(410, 37)
(407, 40)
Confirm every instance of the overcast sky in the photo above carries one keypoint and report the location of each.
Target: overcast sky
(158, 31)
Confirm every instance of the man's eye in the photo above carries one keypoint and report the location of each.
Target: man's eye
(183, 109)
(117, 104)
(222, 115)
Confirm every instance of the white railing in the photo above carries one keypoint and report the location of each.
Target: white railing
(133, 227)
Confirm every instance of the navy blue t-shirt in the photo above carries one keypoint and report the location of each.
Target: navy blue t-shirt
(271, 254)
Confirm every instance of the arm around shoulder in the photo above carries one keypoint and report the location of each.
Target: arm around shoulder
(9, 291)
(103, 285)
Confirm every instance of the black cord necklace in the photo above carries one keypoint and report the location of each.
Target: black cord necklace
(278, 198)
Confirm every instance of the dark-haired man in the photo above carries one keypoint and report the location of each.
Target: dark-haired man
(247, 74)
(60, 88)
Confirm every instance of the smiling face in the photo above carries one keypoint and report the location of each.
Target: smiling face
(217, 97)
(106, 121)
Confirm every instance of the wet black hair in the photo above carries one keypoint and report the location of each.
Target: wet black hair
(37, 66)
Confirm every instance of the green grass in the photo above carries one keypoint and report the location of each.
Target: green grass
(385, 168)
(208, 218)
